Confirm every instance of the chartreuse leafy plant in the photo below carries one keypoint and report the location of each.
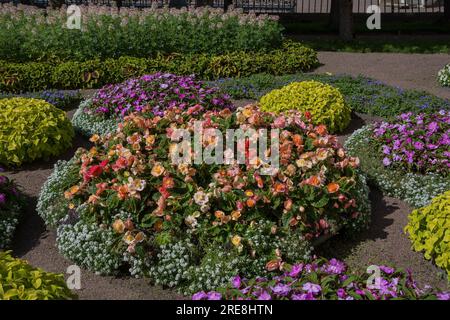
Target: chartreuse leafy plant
(124, 204)
(323, 102)
(429, 231)
(21, 281)
(32, 129)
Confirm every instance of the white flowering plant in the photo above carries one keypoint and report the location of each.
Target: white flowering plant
(444, 76)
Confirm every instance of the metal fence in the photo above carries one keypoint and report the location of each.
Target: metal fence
(386, 6)
(281, 6)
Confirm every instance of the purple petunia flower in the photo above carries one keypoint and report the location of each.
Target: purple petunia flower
(199, 295)
(418, 145)
(386, 161)
(213, 295)
(386, 269)
(443, 296)
(341, 293)
(312, 288)
(264, 295)
(2, 198)
(236, 282)
(281, 289)
(296, 269)
(3, 180)
(303, 296)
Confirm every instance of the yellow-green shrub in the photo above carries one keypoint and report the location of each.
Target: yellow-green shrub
(429, 231)
(20, 281)
(324, 102)
(31, 129)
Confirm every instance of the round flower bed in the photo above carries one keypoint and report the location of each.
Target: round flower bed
(10, 209)
(429, 229)
(154, 93)
(20, 281)
(412, 162)
(323, 280)
(324, 102)
(193, 226)
(444, 76)
(32, 129)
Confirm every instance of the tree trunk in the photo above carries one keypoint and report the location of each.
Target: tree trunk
(334, 15)
(447, 9)
(346, 19)
(55, 4)
(226, 4)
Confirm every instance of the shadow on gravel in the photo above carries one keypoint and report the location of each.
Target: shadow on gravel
(341, 246)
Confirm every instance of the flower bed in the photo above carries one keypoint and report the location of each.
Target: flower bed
(11, 205)
(20, 281)
(32, 34)
(444, 76)
(411, 161)
(123, 203)
(156, 92)
(59, 98)
(428, 229)
(32, 129)
(323, 280)
(35, 76)
(324, 102)
(361, 94)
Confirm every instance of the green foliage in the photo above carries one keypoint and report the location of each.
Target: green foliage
(33, 76)
(325, 103)
(20, 281)
(429, 231)
(31, 34)
(32, 129)
(361, 94)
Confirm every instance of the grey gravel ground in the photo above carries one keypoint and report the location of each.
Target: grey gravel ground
(408, 71)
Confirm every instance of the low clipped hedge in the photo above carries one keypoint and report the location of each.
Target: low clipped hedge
(323, 102)
(32, 129)
(21, 281)
(34, 76)
(429, 231)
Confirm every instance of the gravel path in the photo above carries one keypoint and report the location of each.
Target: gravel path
(409, 71)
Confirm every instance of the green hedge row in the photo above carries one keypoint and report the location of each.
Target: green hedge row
(18, 77)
